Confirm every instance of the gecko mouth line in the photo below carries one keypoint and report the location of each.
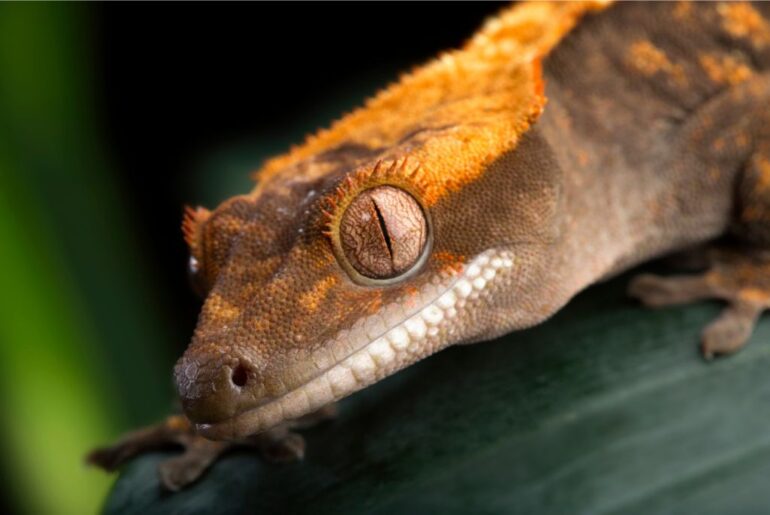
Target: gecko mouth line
(417, 335)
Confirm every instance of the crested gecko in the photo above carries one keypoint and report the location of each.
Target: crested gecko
(562, 144)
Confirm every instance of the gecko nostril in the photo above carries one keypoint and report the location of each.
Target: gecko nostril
(240, 375)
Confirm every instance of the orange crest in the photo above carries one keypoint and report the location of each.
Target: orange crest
(401, 173)
(191, 227)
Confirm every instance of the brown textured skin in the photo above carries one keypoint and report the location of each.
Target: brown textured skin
(655, 137)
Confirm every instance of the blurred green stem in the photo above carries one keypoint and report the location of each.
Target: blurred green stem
(81, 349)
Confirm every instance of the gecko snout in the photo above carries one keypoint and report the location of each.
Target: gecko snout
(212, 387)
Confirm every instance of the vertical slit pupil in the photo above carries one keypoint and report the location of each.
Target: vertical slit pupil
(383, 228)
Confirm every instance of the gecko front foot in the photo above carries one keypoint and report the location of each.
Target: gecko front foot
(740, 277)
(279, 444)
(199, 453)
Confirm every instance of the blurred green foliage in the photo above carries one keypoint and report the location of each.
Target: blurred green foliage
(83, 352)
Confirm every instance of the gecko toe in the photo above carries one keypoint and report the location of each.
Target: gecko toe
(108, 458)
(731, 330)
(656, 291)
(280, 445)
(175, 430)
(180, 471)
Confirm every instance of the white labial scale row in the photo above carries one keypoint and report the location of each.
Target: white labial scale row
(387, 348)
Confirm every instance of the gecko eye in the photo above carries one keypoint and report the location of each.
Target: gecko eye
(383, 232)
(195, 278)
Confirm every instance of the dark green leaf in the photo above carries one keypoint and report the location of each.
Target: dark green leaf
(606, 408)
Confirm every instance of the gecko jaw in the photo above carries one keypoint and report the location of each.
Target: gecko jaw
(426, 329)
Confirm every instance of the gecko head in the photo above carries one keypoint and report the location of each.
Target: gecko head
(320, 286)
(423, 220)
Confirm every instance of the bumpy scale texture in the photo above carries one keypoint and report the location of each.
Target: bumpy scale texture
(569, 140)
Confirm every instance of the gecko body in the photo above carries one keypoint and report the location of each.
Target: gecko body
(564, 143)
